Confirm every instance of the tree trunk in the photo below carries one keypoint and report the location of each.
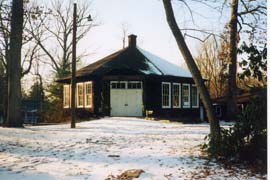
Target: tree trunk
(5, 98)
(14, 71)
(214, 124)
(232, 88)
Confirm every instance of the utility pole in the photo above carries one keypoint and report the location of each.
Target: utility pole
(73, 79)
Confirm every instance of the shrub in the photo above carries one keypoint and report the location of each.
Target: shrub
(247, 139)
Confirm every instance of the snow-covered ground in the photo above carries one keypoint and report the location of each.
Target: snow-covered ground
(107, 147)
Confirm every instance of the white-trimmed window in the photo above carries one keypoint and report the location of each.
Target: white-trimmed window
(194, 96)
(118, 84)
(176, 95)
(134, 85)
(79, 95)
(186, 95)
(166, 95)
(66, 96)
(88, 90)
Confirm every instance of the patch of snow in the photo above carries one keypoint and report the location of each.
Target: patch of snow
(108, 147)
(166, 67)
(152, 69)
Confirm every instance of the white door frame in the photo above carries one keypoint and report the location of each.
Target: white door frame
(126, 99)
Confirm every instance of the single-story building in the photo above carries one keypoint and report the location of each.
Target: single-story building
(132, 81)
(242, 99)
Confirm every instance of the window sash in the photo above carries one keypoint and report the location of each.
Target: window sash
(134, 85)
(166, 95)
(195, 102)
(88, 94)
(80, 93)
(176, 95)
(186, 95)
(66, 96)
(118, 84)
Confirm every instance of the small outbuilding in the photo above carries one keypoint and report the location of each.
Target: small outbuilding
(131, 82)
(243, 98)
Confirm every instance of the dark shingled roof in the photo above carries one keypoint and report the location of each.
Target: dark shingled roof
(92, 67)
(131, 59)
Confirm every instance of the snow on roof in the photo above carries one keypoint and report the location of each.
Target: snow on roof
(164, 66)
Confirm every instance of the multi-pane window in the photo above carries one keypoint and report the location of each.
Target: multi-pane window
(194, 96)
(126, 85)
(166, 95)
(118, 85)
(66, 96)
(88, 94)
(79, 94)
(176, 95)
(134, 85)
(186, 95)
(84, 95)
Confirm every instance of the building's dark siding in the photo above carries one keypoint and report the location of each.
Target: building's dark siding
(131, 64)
(154, 99)
(152, 96)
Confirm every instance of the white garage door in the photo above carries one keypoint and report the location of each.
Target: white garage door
(126, 98)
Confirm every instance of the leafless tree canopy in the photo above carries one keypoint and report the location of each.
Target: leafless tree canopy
(196, 74)
(247, 20)
(213, 67)
(125, 29)
(251, 18)
(30, 47)
(55, 36)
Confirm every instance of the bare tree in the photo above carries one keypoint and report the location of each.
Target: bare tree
(213, 68)
(29, 47)
(232, 88)
(3, 90)
(214, 125)
(4, 52)
(5, 33)
(55, 38)
(125, 29)
(247, 18)
(238, 17)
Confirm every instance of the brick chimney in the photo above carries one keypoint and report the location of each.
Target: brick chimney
(132, 40)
